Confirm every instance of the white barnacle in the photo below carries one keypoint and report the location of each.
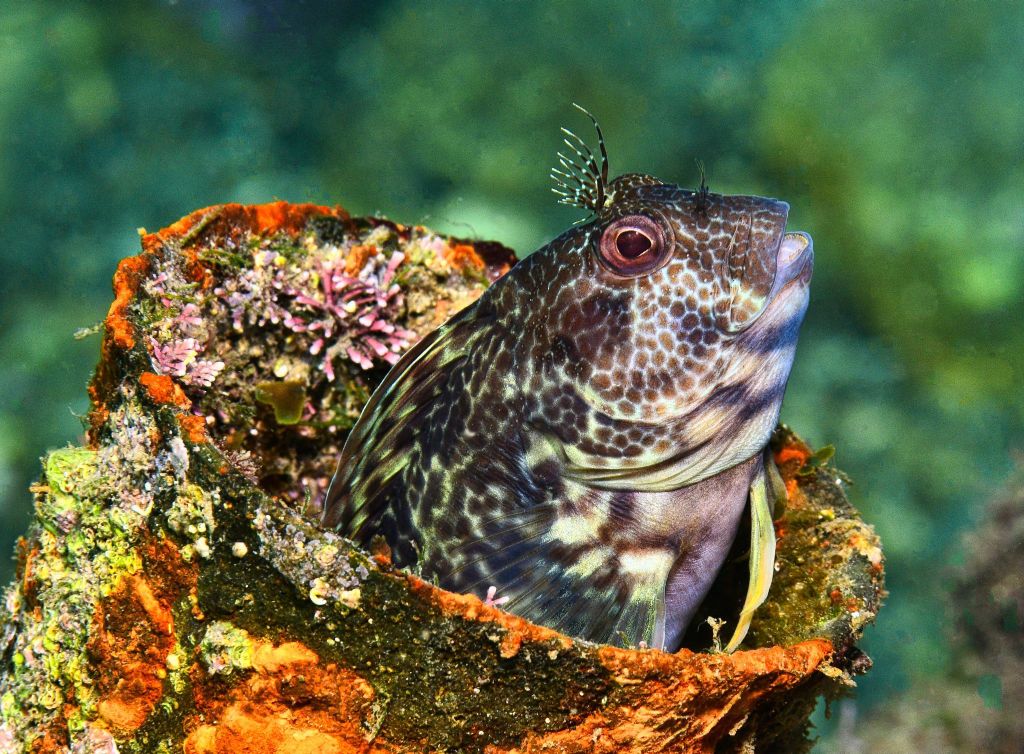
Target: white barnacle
(318, 592)
(350, 597)
(202, 548)
(326, 554)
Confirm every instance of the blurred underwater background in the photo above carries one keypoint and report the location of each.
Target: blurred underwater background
(894, 130)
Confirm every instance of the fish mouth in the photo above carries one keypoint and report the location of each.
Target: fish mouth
(794, 262)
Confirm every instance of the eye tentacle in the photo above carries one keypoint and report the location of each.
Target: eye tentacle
(600, 144)
(703, 192)
(582, 182)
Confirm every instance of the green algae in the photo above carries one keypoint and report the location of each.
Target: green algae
(191, 516)
(78, 553)
(286, 397)
(445, 675)
(407, 649)
(829, 575)
(225, 648)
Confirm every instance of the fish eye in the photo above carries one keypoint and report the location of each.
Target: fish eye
(633, 245)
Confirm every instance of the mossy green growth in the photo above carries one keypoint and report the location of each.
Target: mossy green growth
(87, 513)
(71, 470)
(225, 648)
(448, 677)
(799, 606)
(191, 515)
(829, 567)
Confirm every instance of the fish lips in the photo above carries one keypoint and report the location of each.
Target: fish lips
(794, 262)
(790, 291)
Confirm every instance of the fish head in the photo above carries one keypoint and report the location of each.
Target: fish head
(676, 290)
(731, 253)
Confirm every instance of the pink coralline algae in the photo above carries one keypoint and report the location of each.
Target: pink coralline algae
(178, 358)
(340, 313)
(492, 600)
(316, 312)
(204, 372)
(359, 305)
(337, 312)
(268, 327)
(173, 358)
(181, 334)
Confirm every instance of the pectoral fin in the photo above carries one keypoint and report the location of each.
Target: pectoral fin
(380, 444)
(580, 589)
(762, 550)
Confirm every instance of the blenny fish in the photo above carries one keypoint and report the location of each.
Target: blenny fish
(585, 438)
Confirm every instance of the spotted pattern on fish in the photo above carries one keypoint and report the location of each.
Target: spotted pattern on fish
(587, 435)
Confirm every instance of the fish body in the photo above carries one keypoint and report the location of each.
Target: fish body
(586, 437)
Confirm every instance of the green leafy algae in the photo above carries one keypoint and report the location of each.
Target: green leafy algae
(287, 397)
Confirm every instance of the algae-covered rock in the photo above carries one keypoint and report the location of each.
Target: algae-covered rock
(175, 592)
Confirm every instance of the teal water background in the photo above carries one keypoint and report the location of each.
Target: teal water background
(893, 129)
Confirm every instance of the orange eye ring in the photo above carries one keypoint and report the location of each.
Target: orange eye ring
(633, 245)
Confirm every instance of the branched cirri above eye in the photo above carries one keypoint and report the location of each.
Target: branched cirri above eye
(633, 245)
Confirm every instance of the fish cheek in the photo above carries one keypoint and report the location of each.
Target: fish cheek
(751, 272)
(595, 326)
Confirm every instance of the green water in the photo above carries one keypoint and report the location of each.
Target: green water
(893, 129)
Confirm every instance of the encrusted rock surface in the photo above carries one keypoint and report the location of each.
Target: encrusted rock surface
(174, 592)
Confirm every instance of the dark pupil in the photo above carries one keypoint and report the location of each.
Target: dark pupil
(632, 243)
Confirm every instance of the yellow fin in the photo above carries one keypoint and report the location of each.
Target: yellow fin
(762, 553)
